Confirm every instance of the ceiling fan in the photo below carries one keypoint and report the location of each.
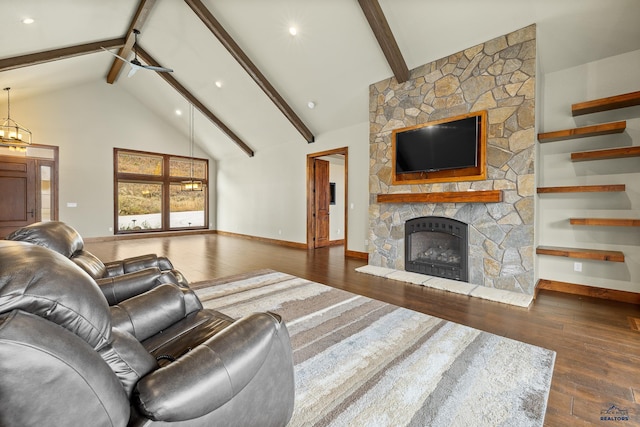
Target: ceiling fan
(135, 64)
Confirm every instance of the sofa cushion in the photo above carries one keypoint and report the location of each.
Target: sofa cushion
(182, 336)
(128, 359)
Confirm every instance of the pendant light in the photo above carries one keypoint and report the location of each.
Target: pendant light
(12, 134)
(191, 184)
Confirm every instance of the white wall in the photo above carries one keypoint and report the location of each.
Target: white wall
(87, 122)
(612, 76)
(260, 196)
(265, 195)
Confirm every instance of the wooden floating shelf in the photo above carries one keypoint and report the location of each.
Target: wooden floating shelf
(611, 153)
(582, 189)
(613, 222)
(583, 132)
(606, 104)
(588, 291)
(594, 254)
(488, 196)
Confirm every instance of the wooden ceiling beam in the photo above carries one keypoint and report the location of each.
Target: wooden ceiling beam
(142, 13)
(227, 41)
(56, 54)
(142, 54)
(386, 40)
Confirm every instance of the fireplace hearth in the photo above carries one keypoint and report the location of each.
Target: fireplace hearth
(437, 246)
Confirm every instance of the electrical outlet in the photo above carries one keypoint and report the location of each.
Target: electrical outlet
(577, 266)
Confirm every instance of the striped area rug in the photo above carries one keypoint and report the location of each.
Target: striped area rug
(362, 362)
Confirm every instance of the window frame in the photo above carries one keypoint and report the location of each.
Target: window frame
(165, 180)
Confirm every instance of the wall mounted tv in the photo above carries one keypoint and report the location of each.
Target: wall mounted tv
(452, 147)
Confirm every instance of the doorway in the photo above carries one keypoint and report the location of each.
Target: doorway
(320, 232)
(28, 187)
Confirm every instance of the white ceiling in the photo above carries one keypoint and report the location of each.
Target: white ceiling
(332, 61)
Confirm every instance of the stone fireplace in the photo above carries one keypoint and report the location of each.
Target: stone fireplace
(497, 76)
(436, 246)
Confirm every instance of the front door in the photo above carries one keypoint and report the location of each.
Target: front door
(322, 202)
(17, 193)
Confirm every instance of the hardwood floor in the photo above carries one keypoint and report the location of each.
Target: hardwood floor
(598, 352)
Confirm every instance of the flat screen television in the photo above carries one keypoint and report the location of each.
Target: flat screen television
(443, 145)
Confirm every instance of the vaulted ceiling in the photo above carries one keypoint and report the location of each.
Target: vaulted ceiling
(268, 77)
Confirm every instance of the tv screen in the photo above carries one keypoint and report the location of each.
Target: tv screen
(430, 148)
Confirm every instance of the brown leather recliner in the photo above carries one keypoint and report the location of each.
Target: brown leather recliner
(68, 358)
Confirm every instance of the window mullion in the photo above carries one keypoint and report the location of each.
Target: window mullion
(166, 198)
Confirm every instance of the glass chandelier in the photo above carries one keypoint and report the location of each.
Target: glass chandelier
(12, 134)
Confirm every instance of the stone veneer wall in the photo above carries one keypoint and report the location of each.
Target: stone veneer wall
(497, 76)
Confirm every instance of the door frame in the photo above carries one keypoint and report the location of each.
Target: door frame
(311, 184)
(36, 153)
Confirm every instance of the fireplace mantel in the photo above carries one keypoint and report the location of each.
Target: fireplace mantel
(484, 196)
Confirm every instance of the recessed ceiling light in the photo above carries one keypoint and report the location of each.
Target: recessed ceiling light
(293, 30)
(28, 21)
(178, 112)
(311, 105)
(218, 83)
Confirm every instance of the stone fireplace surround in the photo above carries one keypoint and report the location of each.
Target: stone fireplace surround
(497, 76)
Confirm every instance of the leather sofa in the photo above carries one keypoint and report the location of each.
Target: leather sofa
(120, 279)
(65, 240)
(68, 357)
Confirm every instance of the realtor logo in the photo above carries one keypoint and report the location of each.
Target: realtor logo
(614, 413)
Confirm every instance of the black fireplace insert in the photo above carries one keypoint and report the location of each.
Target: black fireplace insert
(437, 246)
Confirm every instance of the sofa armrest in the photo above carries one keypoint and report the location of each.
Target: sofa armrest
(149, 313)
(89, 263)
(128, 265)
(120, 288)
(212, 373)
(125, 286)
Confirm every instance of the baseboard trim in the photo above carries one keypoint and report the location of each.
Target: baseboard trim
(146, 235)
(356, 254)
(264, 239)
(347, 253)
(587, 291)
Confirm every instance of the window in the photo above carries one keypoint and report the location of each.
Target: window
(45, 183)
(159, 192)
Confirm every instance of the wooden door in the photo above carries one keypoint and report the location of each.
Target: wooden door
(17, 193)
(322, 202)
